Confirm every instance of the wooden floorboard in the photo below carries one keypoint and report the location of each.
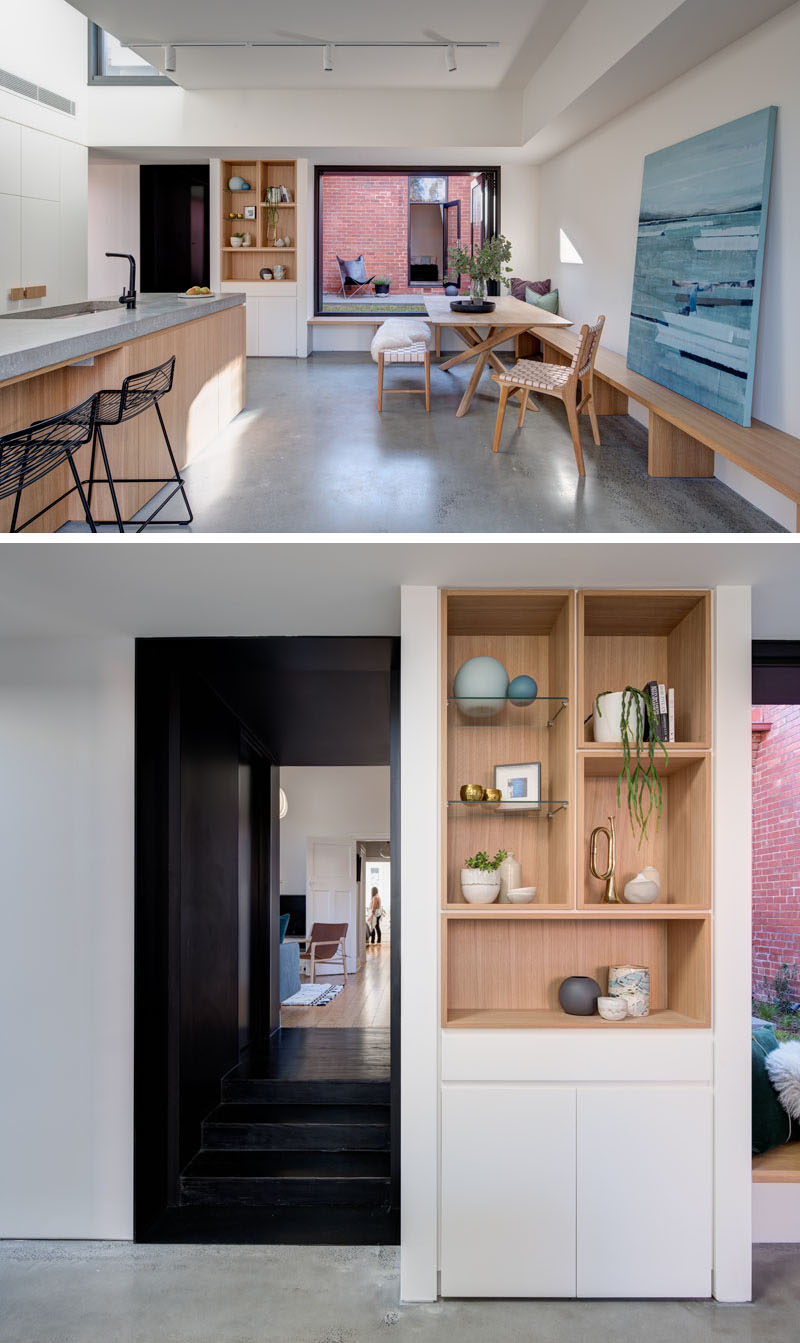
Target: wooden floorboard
(779, 1166)
(347, 1055)
(363, 1002)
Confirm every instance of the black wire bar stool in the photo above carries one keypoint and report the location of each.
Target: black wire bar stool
(28, 455)
(137, 394)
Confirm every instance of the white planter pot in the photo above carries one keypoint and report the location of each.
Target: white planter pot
(607, 719)
(479, 888)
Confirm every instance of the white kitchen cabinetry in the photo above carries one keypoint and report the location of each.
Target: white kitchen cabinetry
(277, 328)
(508, 1191)
(644, 1191)
(594, 1191)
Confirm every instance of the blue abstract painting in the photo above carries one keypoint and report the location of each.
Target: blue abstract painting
(699, 258)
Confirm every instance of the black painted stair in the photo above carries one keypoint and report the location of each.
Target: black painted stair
(264, 1127)
(276, 1179)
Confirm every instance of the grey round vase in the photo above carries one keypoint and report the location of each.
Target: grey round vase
(578, 995)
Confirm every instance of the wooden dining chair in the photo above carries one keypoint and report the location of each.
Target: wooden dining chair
(565, 381)
(325, 945)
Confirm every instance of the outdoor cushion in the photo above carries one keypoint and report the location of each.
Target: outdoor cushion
(547, 301)
(771, 1125)
(518, 287)
(397, 333)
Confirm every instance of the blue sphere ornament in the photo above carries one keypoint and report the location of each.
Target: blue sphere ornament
(523, 691)
(480, 686)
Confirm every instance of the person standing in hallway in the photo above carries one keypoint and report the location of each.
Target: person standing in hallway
(375, 916)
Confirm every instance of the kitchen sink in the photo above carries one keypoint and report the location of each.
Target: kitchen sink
(65, 310)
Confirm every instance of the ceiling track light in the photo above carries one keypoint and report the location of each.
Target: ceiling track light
(169, 58)
(327, 57)
(450, 57)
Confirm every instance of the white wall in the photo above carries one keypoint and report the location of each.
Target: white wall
(43, 154)
(592, 191)
(66, 937)
(329, 802)
(113, 224)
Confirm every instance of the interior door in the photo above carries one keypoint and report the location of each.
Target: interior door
(332, 892)
(451, 234)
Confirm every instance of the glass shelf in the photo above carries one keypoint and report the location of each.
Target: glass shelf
(546, 807)
(503, 712)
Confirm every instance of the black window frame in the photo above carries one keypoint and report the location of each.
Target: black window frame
(95, 67)
(492, 225)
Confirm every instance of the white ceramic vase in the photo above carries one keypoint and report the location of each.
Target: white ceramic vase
(510, 871)
(607, 715)
(236, 241)
(479, 888)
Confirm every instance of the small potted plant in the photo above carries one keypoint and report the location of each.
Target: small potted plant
(480, 878)
(490, 262)
(627, 716)
(381, 284)
(237, 239)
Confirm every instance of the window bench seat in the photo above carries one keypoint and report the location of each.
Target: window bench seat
(683, 436)
(781, 1165)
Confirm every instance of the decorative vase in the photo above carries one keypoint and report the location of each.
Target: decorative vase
(642, 890)
(510, 875)
(479, 888)
(607, 715)
(578, 995)
(236, 241)
(522, 691)
(480, 686)
(477, 292)
(280, 272)
(631, 982)
(492, 795)
(612, 1009)
(471, 792)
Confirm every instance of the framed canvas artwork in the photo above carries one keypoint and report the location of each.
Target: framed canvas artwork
(699, 259)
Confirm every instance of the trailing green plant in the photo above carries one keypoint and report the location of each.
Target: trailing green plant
(641, 779)
(484, 863)
(490, 262)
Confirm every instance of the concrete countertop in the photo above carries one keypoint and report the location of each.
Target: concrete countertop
(29, 343)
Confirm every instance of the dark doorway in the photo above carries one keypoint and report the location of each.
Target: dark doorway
(173, 221)
(246, 1132)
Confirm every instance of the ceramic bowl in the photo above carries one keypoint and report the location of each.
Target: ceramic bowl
(479, 888)
(492, 795)
(471, 792)
(521, 895)
(612, 1009)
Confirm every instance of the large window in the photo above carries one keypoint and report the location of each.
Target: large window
(383, 235)
(112, 63)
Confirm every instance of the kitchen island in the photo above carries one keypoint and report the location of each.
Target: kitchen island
(49, 363)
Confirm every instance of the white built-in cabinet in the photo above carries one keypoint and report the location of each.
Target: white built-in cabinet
(589, 1191)
(43, 215)
(270, 322)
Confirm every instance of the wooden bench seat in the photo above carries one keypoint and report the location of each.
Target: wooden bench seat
(684, 436)
(780, 1166)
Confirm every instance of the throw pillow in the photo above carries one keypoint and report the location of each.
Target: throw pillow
(284, 924)
(783, 1070)
(518, 287)
(397, 333)
(547, 301)
(771, 1124)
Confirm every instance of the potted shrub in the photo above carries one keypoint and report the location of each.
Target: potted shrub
(627, 716)
(381, 284)
(237, 239)
(490, 262)
(480, 879)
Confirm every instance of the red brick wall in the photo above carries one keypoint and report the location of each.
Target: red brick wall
(369, 213)
(776, 843)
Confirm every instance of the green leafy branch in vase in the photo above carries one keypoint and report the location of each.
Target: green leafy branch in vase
(490, 262)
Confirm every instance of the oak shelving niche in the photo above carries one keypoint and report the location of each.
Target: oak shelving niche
(502, 963)
(243, 264)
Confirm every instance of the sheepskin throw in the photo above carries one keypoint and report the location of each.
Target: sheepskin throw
(783, 1069)
(397, 333)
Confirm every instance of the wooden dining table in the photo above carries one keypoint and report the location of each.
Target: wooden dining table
(510, 317)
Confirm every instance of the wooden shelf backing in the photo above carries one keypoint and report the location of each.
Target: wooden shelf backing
(630, 638)
(504, 1019)
(679, 845)
(507, 967)
(541, 911)
(780, 1166)
(529, 633)
(243, 263)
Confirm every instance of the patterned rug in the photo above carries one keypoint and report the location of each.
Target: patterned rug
(313, 995)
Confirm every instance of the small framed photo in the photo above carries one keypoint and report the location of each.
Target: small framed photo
(249, 211)
(520, 786)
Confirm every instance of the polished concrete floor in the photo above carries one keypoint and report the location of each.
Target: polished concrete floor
(114, 1293)
(311, 454)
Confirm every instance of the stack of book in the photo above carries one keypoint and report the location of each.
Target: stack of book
(663, 702)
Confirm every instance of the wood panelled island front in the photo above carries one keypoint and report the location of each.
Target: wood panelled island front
(98, 351)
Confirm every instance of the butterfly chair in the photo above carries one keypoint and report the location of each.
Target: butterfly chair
(565, 381)
(325, 945)
(355, 273)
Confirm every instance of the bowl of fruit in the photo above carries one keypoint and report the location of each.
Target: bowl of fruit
(198, 291)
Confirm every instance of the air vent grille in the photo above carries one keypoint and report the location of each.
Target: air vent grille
(36, 93)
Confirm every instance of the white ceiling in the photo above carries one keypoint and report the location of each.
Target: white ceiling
(526, 30)
(184, 587)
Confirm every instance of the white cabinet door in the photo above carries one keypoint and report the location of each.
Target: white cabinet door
(73, 270)
(251, 315)
(9, 158)
(644, 1191)
(40, 166)
(508, 1191)
(10, 251)
(276, 326)
(41, 255)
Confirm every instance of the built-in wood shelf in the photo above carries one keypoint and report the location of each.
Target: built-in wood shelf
(503, 963)
(243, 264)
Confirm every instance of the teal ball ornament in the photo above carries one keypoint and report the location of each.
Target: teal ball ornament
(523, 691)
(480, 687)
